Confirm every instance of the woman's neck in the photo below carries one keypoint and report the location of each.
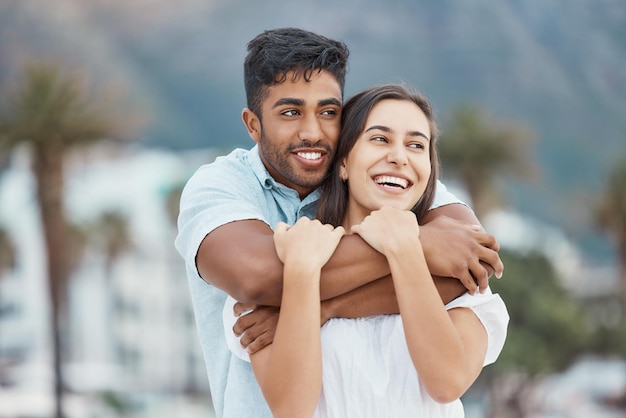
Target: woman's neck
(353, 217)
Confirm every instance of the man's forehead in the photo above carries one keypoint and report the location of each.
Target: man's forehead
(319, 90)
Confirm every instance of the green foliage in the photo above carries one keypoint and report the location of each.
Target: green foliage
(50, 107)
(111, 231)
(478, 150)
(172, 202)
(118, 403)
(548, 328)
(8, 252)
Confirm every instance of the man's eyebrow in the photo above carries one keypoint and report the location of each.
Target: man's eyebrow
(388, 130)
(291, 101)
(331, 101)
(288, 101)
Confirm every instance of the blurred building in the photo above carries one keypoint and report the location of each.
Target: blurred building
(131, 331)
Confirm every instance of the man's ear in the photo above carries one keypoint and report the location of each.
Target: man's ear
(252, 124)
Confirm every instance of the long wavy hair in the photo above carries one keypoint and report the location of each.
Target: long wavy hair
(333, 203)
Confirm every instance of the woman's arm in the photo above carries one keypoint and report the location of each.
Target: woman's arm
(289, 371)
(447, 348)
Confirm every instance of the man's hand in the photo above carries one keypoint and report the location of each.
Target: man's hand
(454, 248)
(258, 326)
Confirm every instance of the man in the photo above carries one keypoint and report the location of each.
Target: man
(294, 85)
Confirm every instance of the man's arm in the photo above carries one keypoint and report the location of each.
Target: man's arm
(379, 298)
(446, 230)
(239, 258)
(455, 245)
(257, 327)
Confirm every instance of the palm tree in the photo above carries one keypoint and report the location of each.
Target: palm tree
(611, 214)
(477, 150)
(51, 112)
(8, 261)
(111, 230)
(110, 233)
(8, 252)
(172, 207)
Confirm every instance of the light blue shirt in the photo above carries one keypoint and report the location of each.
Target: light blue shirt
(235, 187)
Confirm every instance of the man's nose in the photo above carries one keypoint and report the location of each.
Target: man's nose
(311, 129)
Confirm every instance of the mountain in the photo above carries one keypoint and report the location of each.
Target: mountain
(557, 67)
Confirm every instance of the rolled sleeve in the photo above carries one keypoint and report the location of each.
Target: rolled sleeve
(492, 313)
(208, 202)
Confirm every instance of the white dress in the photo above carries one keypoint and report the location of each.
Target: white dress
(367, 369)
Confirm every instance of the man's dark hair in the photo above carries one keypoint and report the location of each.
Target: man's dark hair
(274, 53)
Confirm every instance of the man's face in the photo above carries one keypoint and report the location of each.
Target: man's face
(298, 130)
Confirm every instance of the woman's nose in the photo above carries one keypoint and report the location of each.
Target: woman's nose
(397, 156)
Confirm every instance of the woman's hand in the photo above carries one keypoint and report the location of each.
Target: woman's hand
(389, 230)
(308, 243)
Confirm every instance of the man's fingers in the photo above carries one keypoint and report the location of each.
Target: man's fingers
(488, 240)
(468, 282)
(258, 324)
(240, 308)
(259, 343)
(243, 323)
(250, 335)
(491, 257)
(480, 275)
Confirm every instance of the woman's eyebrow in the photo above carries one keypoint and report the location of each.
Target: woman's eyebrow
(389, 130)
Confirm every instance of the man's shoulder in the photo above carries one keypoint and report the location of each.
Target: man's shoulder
(238, 163)
(237, 158)
(239, 173)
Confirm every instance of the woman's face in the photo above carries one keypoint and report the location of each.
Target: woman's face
(389, 164)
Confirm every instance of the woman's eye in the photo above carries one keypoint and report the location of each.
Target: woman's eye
(379, 139)
(416, 145)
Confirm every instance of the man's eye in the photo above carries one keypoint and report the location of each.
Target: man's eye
(329, 112)
(291, 112)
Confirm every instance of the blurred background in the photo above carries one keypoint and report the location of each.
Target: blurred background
(107, 107)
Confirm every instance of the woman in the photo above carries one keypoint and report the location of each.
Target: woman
(381, 184)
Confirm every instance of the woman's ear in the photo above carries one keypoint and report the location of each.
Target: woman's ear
(252, 124)
(343, 171)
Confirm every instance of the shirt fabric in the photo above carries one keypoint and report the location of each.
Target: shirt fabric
(366, 365)
(235, 187)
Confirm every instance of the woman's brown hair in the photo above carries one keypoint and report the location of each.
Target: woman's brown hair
(333, 203)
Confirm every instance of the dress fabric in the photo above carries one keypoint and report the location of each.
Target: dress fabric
(367, 369)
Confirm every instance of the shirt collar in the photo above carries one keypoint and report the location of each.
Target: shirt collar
(268, 182)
